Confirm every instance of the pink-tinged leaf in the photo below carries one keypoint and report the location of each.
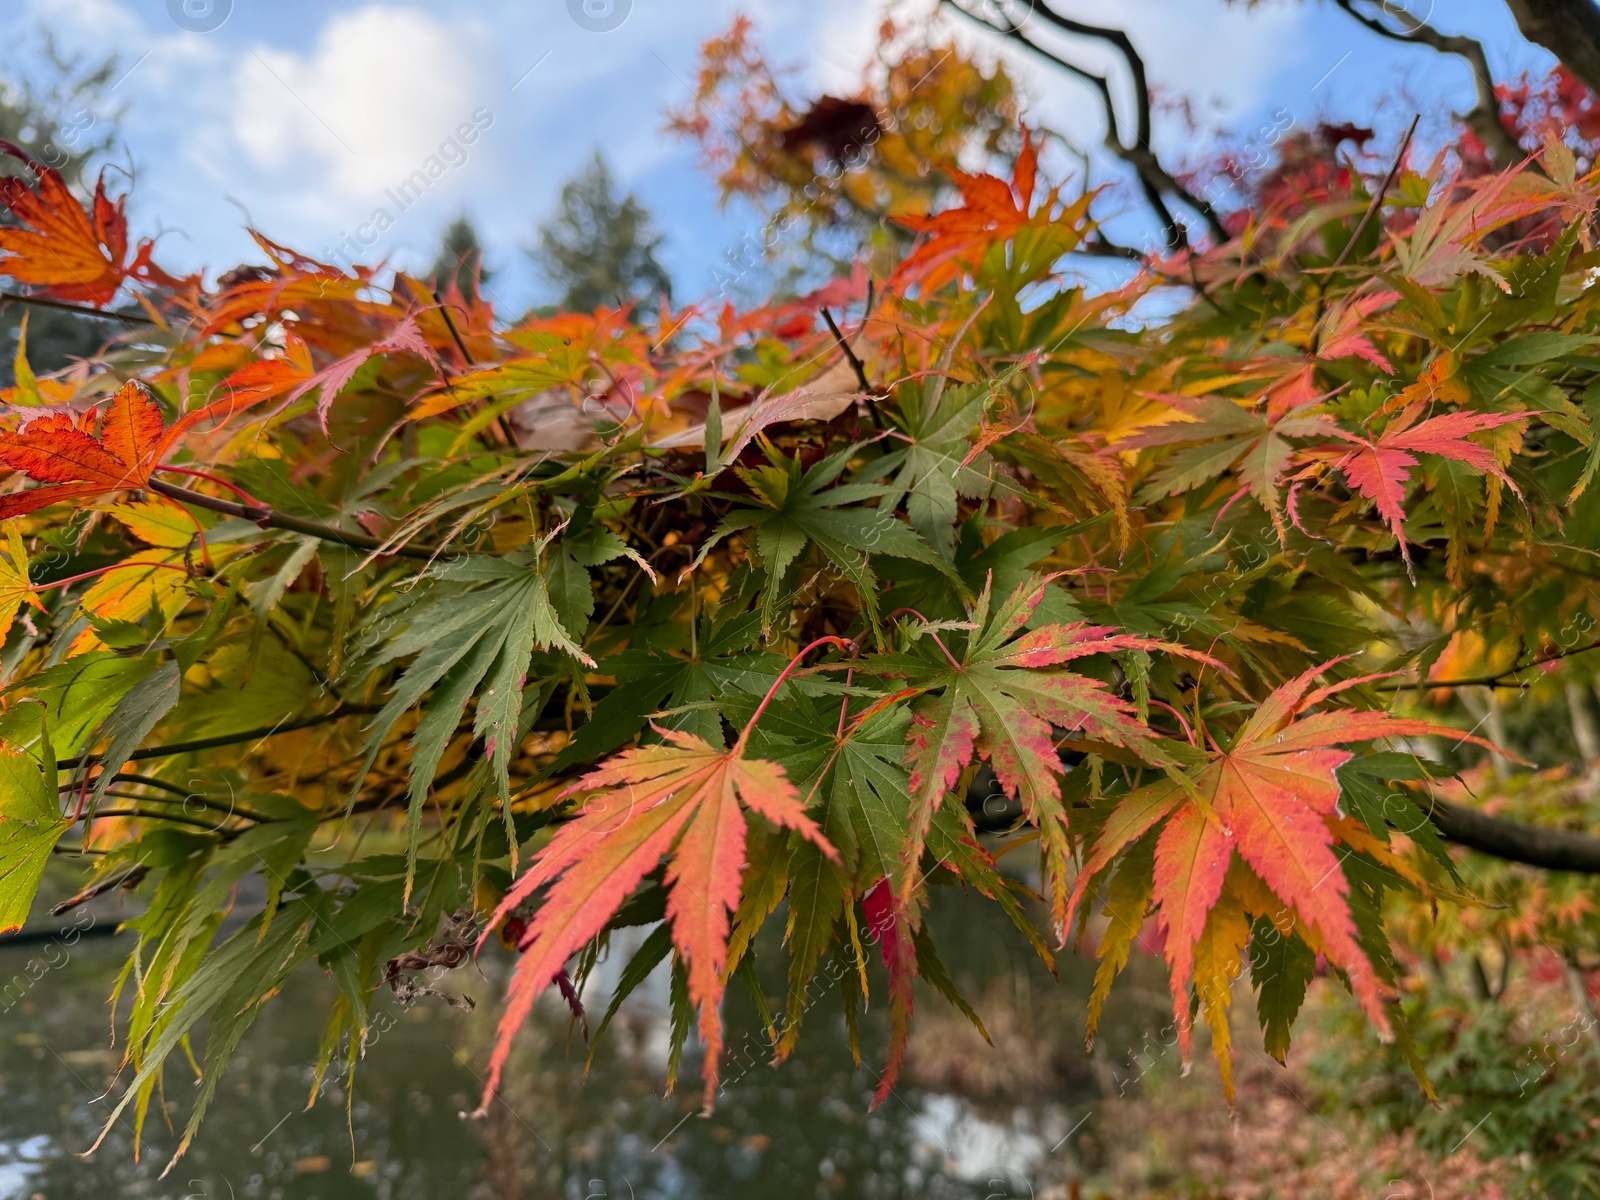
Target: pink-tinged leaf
(1192, 857)
(1346, 339)
(333, 378)
(679, 800)
(889, 925)
(1380, 469)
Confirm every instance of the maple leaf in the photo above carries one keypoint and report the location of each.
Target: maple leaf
(1223, 435)
(998, 702)
(890, 925)
(15, 586)
(992, 211)
(69, 253)
(1380, 468)
(333, 378)
(1271, 798)
(110, 448)
(30, 818)
(933, 466)
(76, 462)
(1343, 336)
(799, 507)
(680, 800)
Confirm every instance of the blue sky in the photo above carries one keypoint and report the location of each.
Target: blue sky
(296, 116)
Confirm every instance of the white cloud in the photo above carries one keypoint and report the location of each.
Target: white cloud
(382, 87)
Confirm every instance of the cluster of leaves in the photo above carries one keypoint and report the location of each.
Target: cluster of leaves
(739, 633)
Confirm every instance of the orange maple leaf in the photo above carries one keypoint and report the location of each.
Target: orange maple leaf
(992, 210)
(1272, 797)
(109, 448)
(680, 799)
(67, 252)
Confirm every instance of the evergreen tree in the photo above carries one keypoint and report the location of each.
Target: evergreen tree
(460, 259)
(597, 248)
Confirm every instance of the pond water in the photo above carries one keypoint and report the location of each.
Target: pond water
(965, 1121)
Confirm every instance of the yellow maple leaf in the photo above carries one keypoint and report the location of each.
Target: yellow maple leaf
(15, 586)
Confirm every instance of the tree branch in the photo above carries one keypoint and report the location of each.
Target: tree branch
(265, 516)
(1141, 155)
(1155, 181)
(1569, 29)
(226, 739)
(1484, 117)
(82, 309)
(1552, 849)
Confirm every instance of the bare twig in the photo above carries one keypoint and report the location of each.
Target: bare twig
(1484, 117)
(1377, 199)
(82, 309)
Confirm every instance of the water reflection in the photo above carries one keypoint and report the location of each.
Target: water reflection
(968, 1121)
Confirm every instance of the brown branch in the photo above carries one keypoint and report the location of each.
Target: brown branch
(1551, 849)
(1484, 117)
(82, 309)
(1503, 679)
(271, 517)
(1155, 181)
(1569, 29)
(1141, 154)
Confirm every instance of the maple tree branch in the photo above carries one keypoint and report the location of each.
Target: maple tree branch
(1531, 845)
(264, 516)
(1569, 29)
(1484, 117)
(1503, 679)
(83, 309)
(226, 739)
(1155, 181)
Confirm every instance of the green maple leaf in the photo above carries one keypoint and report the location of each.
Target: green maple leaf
(851, 767)
(999, 699)
(929, 468)
(477, 639)
(1218, 435)
(799, 507)
(30, 819)
(673, 675)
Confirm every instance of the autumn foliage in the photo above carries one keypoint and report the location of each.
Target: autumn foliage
(745, 619)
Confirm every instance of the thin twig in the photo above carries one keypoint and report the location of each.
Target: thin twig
(1489, 680)
(1377, 200)
(83, 309)
(856, 364)
(227, 739)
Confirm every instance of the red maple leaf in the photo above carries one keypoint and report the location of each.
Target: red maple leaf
(109, 448)
(679, 800)
(69, 253)
(1380, 468)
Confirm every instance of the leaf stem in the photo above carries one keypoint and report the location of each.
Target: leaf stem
(234, 488)
(829, 640)
(98, 571)
(937, 639)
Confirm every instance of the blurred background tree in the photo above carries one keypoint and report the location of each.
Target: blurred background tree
(599, 248)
